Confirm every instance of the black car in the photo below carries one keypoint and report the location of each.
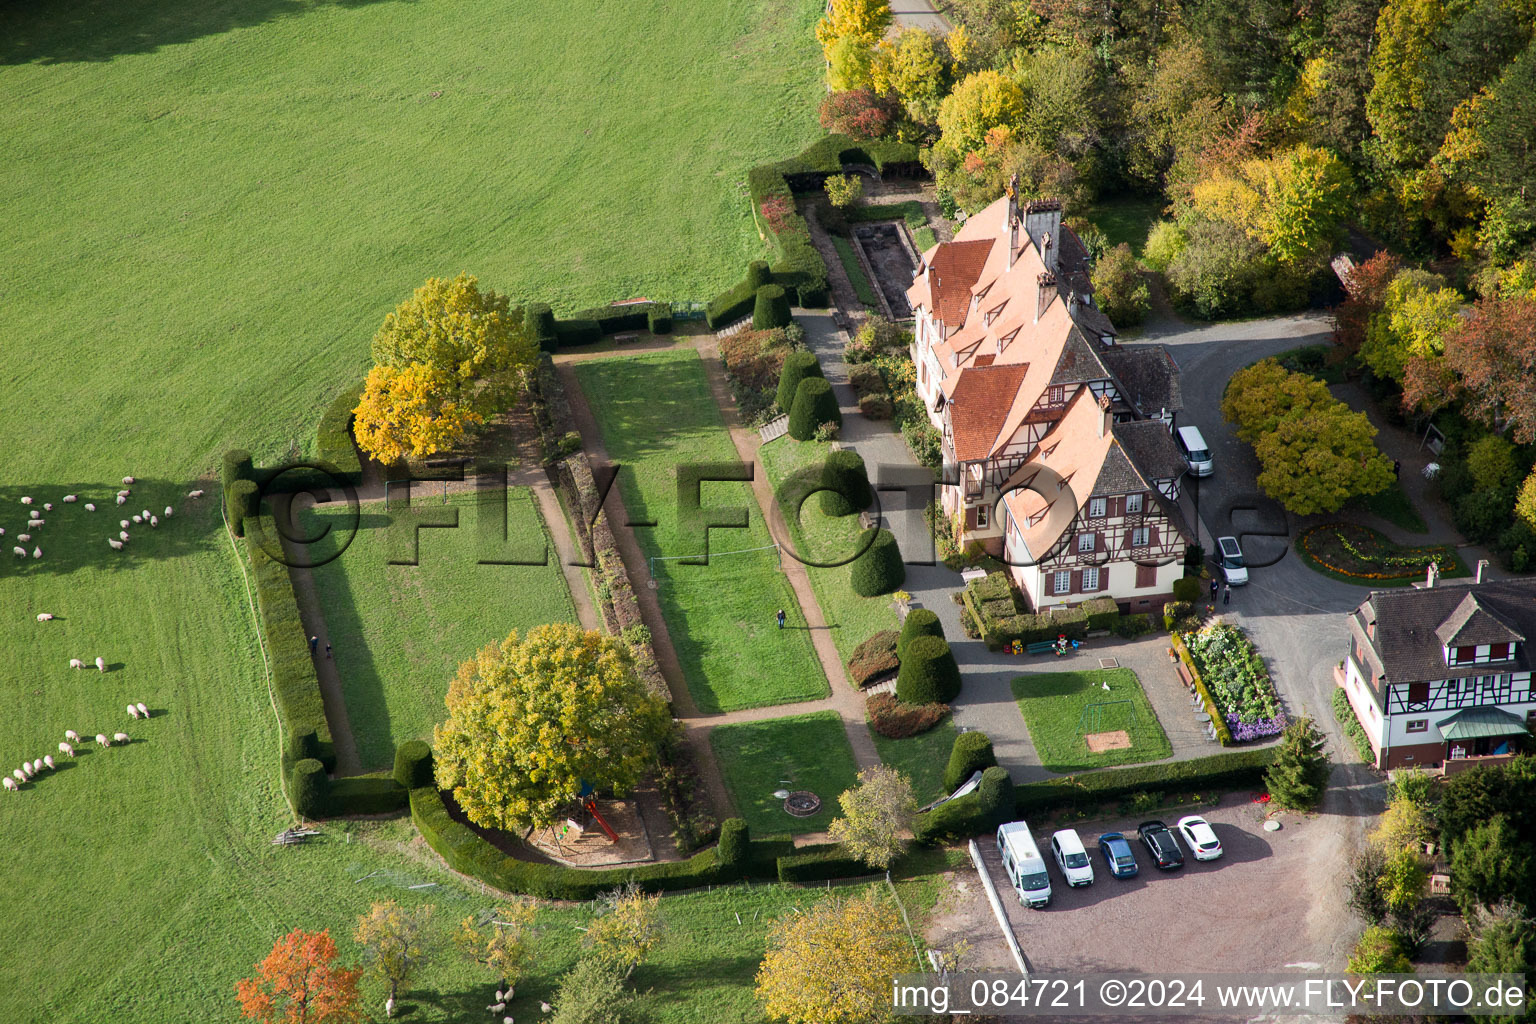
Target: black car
(1159, 841)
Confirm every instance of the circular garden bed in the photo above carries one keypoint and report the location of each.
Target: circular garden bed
(1359, 554)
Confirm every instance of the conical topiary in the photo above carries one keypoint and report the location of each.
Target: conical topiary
(847, 484)
(814, 405)
(772, 309)
(928, 673)
(798, 365)
(971, 753)
(919, 622)
(878, 569)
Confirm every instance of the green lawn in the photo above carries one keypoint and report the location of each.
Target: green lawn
(799, 752)
(1393, 505)
(824, 543)
(1125, 220)
(656, 414)
(400, 631)
(1053, 704)
(216, 204)
(922, 757)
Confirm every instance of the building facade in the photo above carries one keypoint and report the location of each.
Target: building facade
(1442, 672)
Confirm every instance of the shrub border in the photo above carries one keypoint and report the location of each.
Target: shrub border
(1223, 733)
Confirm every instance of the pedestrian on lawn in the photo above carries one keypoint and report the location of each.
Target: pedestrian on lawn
(781, 618)
(314, 643)
(1226, 594)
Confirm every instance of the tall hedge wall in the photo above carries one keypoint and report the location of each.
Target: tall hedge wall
(333, 435)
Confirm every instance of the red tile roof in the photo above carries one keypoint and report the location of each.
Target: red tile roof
(979, 403)
(955, 267)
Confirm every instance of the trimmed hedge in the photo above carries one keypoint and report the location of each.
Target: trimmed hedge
(542, 319)
(1223, 733)
(997, 794)
(731, 305)
(1102, 612)
(758, 274)
(798, 365)
(928, 674)
(879, 569)
(821, 862)
(919, 622)
(814, 405)
(1188, 589)
(971, 753)
(333, 436)
(237, 466)
(735, 845)
(897, 721)
(413, 764)
(240, 500)
(874, 658)
(952, 821)
(659, 319)
(366, 794)
(309, 788)
(770, 308)
(576, 332)
(846, 484)
(1239, 770)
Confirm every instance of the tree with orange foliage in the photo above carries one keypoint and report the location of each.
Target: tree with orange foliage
(1367, 293)
(299, 983)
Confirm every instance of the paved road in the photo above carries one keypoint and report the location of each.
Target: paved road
(917, 14)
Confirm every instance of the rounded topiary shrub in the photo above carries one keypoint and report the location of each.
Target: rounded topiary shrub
(879, 569)
(798, 365)
(541, 319)
(731, 854)
(928, 673)
(971, 753)
(847, 484)
(658, 319)
(772, 308)
(310, 788)
(239, 502)
(413, 764)
(814, 405)
(996, 792)
(237, 466)
(919, 622)
(1188, 588)
(758, 274)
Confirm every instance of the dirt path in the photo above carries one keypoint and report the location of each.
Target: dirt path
(347, 761)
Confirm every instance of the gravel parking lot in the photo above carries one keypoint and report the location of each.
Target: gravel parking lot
(1272, 901)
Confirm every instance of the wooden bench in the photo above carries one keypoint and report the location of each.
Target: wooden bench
(1184, 676)
(1040, 647)
(624, 339)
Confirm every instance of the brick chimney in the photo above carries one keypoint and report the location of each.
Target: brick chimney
(1046, 283)
(1106, 418)
(1013, 219)
(1482, 564)
(1042, 221)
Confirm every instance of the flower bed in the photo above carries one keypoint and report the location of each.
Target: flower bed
(1361, 553)
(1237, 680)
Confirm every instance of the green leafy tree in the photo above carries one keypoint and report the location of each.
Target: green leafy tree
(1315, 463)
(592, 992)
(1503, 941)
(1334, 109)
(981, 102)
(1404, 880)
(915, 67)
(850, 62)
(877, 816)
(501, 941)
(1400, 65)
(1417, 311)
(1363, 886)
(844, 189)
(1490, 863)
(1217, 266)
(628, 930)
(395, 942)
(1119, 288)
(1380, 951)
(1525, 501)
(1306, 195)
(1493, 463)
(1300, 771)
(833, 964)
(532, 719)
(1258, 397)
(1404, 825)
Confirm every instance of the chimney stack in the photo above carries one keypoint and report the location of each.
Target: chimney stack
(1482, 563)
(1106, 418)
(1013, 219)
(1046, 281)
(1042, 221)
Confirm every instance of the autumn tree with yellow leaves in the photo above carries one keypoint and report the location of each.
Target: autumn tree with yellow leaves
(533, 718)
(849, 33)
(446, 360)
(833, 963)
(394, 941)
(501, 941)
(877, 816)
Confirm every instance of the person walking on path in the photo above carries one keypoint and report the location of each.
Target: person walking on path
(314, 645)
(327, 648)
(1226, 594)
(1214, 585)
(781, 618)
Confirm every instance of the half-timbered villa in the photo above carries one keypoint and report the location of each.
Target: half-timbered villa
(1057, 445)
(1441, 674)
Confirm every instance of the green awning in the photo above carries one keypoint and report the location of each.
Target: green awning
(1474, 723)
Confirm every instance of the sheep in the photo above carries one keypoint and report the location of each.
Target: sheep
(2, 531)
(143, 711)
(37, 764)
(168, 511)
(102, 741)
(145, 515)
(122, 500)
(154, 521)
(117, 545)
(122, 534)
(123, 523)
(65, 748)
(44, 617)
(124, 493)
(19, 552)
(76, 663)
(33, 524)
(71, 735)
(26, 501)
(133, 712)
(119, 737)
(70, 499)
(127, 480)
(19, 776)
(37, 552)
(137, 519)
(10, 784)
(47, 506)
(26, 769)
(48, 761)
(24, 537)
(101, 664)
(90, 507)
(195, 494)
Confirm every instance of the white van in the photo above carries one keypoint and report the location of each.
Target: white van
(1195, 451)
(1023, 864)
(1071, 858)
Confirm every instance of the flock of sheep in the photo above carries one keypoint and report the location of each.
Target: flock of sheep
(29, 770)
(36, 521)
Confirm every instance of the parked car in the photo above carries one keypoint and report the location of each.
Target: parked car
(1200, 837)
(1195, 451)
(1229, 555)
(1072, 858)
(1117, 854)
(1161, 845)
(1023, 864)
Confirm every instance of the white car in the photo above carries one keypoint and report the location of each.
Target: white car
(1072, 858)
(1200, 837)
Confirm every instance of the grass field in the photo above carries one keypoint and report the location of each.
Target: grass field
(216, 204)
(823, 541)
(1125, 220)
(400, 631)
(656, 414)
(922, 758)
(1053, 705)
(799, 752)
